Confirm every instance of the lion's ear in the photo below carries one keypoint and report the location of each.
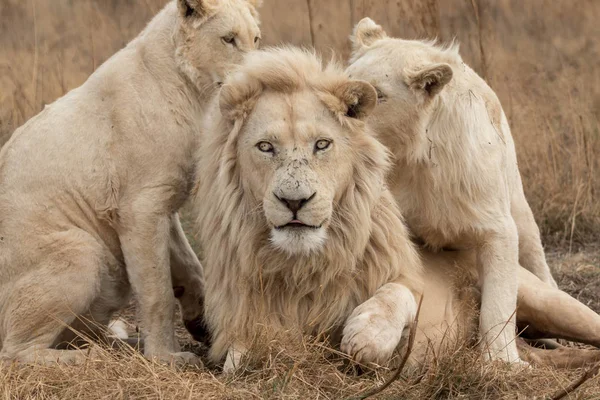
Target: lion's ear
(358, 98)
(228, 100)
(237, 102)
(429, 80)
(366, 32)
(195, 8)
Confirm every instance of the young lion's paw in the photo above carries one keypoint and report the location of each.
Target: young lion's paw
(180, 359)
(371, 333)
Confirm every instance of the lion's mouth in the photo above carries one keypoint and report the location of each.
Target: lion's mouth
(297, 224)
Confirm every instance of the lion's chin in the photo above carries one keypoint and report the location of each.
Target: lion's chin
(299, 241)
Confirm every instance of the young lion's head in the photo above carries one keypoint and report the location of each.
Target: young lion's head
(408, 75)
(213, 36)
(295, 141)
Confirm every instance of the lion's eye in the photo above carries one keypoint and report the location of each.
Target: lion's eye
(229, 39)
(322, 144)
(256, 40)
(265, 147)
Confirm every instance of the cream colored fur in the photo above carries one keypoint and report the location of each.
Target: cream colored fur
(455, 174)
(288, 130)
(450, 309)
(90, 188)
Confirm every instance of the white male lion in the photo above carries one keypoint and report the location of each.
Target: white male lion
(298, 227)
(90, 188)
(455, 173)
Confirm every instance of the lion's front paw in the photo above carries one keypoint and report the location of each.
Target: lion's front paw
(371, 334)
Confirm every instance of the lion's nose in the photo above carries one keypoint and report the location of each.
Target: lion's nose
(294, 205)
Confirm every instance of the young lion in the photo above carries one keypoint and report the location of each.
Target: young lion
(455, 173)
(90, 188)
(298, 226)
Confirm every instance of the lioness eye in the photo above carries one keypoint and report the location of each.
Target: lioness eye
(256, 40)
(265, 147)
(322, 144)
(229, 39)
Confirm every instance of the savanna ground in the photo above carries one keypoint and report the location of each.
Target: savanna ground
(540, 56)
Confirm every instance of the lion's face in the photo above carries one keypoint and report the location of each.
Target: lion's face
(213, 37)
(295, 160)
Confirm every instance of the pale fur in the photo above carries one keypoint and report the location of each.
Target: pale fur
(455, 174)
(364, 274)
(450, 309)
(90, 188)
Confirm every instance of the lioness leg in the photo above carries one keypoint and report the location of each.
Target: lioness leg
(498, 264)
(374, 329)
(45, 302)
(548, 312)
(531, 252)
(560, 358)
(145, 236)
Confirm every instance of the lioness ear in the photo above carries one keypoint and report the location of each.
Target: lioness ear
(430, 79)
(366, 32)
(198, 8)
(358, 98)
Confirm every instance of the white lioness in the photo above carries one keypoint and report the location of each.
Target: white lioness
(298, 227)
(455, 173)
(90, 188)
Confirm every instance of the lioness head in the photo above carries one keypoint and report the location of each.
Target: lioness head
(296, 139)
(407, 74)
(213, 36)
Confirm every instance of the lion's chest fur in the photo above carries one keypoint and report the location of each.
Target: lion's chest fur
(300, 296)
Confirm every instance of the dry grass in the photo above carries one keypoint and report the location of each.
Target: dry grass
(306, 371)
(541, 57)
(285, 369)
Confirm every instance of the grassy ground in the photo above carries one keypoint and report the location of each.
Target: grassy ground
(288, 370)
(541, 57)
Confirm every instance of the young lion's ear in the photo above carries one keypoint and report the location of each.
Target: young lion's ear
(430, 79)
(358, 98)
(197, 8)
(366, 32)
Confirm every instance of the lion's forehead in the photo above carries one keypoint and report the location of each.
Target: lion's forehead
(301, 117)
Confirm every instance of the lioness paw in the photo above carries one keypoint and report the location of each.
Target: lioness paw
(179, 359)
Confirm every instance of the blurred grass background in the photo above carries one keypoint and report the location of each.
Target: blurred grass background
(540, 56)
